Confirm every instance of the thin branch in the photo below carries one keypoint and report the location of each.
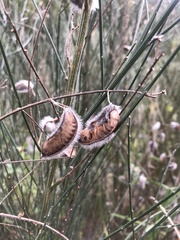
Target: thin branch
(34, 222)
(68, 41)
(96, 23)
(150, 95)
(60, 180)
(29, 173)
(26, 54)
(168, 217)
(142, 82)
(78, 49)
(121, 228)
(32, 57)
(8, 161)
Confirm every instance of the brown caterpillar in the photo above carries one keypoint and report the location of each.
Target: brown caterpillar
(100, 129)
(61, 141)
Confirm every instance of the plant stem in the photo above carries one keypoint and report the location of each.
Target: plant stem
(71, 84)
(78, 50)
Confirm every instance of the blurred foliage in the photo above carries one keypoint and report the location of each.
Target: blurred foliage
(94, 200)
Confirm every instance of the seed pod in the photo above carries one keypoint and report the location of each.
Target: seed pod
(48, 124)
(23, 86)
(100, 129)
(63, 138)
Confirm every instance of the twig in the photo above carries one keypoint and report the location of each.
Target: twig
(32, 119)
(3, 84)
(34, 222)
(67, 45)
(129, 174)
(15, 226)
(121, 228)
(18, 183)
(169, 219)
(40, 28)
(26, 54)
(78, 49)
(150, 95)
(144, 79)
(32, 57)
(96, 23)
(70, 172)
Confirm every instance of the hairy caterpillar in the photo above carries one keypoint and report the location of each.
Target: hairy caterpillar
(100, 129)
(61, 141)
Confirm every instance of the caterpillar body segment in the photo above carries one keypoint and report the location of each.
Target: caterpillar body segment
(100, 129)
(63, 138)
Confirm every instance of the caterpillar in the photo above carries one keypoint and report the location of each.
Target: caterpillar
(61, 141)
(100, 129)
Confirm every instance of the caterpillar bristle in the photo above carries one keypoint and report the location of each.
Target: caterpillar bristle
(63, 138)
(100, 129)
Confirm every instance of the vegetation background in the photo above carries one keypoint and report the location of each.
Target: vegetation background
(128, 189)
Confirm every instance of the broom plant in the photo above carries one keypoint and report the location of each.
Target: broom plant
(123, 52)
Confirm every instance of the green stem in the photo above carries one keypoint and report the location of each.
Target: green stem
(78, 49)
(46, 200)
(70, 88)
(143, 214)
